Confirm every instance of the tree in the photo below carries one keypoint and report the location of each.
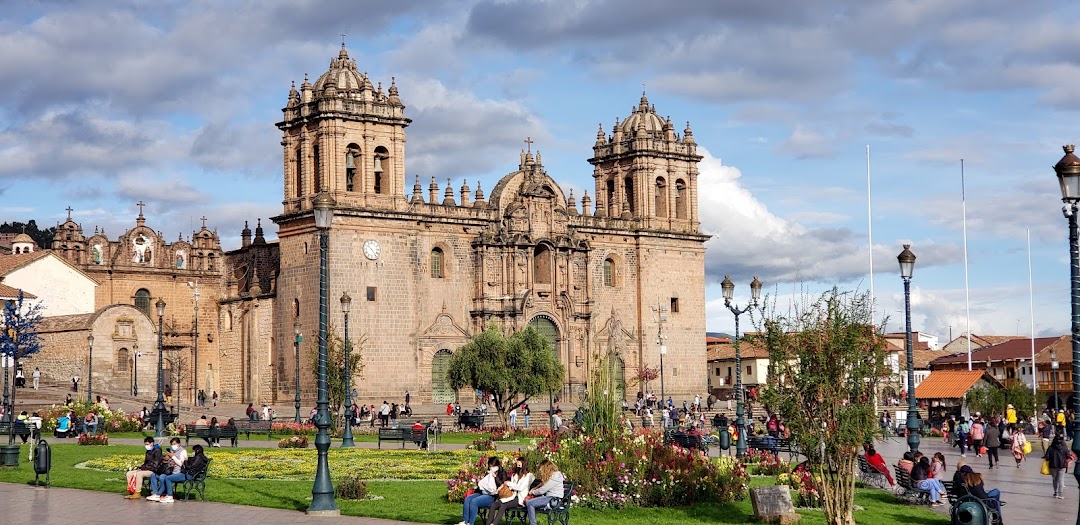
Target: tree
(43, 238)
(19, 339)
(825, 362)
(335, 365)
(993, 401)
(511, 369)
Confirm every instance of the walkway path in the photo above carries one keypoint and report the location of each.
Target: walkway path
(24, 504)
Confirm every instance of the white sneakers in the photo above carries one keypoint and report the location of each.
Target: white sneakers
(153, 497)
(166, 499)
(159, 499)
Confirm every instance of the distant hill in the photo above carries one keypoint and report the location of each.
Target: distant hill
(717, 334)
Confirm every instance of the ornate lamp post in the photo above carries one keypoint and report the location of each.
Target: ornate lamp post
(740, 413)
(347, 439)
(661, 341)
(159, 405)
(296, 346)
(90, 370)
(195, 366)
(322, 492)
(1068, 173)
(135, 370)
(1054, 364)
(907, 266)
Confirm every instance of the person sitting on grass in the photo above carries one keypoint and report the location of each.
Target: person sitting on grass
(174, 460)
(151, 461)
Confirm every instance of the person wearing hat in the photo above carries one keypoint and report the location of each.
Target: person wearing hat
(1010, 414)
(1059, 422)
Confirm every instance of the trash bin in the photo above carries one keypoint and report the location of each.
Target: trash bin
(725, 439)
(970, 513)
(42, 461)
(9, 455)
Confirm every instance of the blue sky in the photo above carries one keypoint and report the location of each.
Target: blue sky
(174, 104)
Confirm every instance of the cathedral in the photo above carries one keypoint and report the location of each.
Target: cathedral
(620, 272)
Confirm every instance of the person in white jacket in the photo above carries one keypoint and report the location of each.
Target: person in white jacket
(551, 487)
(519, 485)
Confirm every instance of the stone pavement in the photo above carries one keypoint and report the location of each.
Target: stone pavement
(1027, 493)
(25, 504)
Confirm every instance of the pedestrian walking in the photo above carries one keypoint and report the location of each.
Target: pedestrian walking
(74, 383)
(1055, 462)
(1020, 445)
(214, 397)
(37, 377)
(992, 438)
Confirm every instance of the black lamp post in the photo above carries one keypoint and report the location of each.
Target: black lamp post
(322, 492)
(1068, 173)
(195, 366)
(1054, 364)
(907, 266)
(135, 370)
(90, 370)
(740, 413)
(347, 439)
(159, 405)
(296, 346)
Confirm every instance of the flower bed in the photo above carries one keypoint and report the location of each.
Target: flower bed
(293, 442)
(807, 485)
(299, 464)
(98, 440)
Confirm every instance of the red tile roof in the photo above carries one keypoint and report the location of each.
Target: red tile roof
(8, 292)
(950, 384)
(10, 263)
(749, 348)
(1011, 350)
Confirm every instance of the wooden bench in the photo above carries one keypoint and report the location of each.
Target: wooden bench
(21, 429)
(557, 510)
(403, 434)
(684, 440)
(257, 426)
(201, 432)
(474, 421)
(907, 489)
(870, 475)
(775, 445)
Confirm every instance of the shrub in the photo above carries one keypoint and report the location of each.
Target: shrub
(351, 487)
(100, 439)
(484, 444)
(292, 428)
(293, 442)
(770, 464)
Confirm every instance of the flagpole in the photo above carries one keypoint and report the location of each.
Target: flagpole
(870, 233)
(967, 291)
(1031, 312)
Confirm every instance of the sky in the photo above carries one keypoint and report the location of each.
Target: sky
(174, 104)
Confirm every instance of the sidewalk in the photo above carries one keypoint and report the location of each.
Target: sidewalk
(26, 505)
(1027, 493)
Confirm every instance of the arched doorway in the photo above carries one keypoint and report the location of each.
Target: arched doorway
(441, 392)
(618, 376)
(547, 328)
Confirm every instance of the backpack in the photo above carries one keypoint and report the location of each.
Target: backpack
(772, 425)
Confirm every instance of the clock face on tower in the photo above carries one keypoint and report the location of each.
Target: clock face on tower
(372, 249)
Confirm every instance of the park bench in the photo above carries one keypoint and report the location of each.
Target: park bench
(257, 426)
(202, 432)
(473, 421)
(403, 434)
(197, 484)
(557, 510)
(684, 440)
(149, 420)
(776, 445)
(21, 429)
(907, 489)
(870, 475)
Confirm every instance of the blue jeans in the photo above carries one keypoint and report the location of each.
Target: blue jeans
(995, 495)
(532, 504)
(473, 504)
(157, 483)
(526, 421)
(90, 430)
(170, 479)
(935, 487)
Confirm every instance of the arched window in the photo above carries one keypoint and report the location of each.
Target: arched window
(628, 192)
(122, 357)
(437, 270)
(316, 161)
(142, 300)
(542, 265)
(380, 165)
(352, 156)
(296, 307)
(299, 169)
(611, 209)
(661, 197)
(680, 199)
(609, 272)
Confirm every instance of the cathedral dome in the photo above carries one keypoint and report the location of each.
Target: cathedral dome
(642, 116)
(343, 75)
(22, 237)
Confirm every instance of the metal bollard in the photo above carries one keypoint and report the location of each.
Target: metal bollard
(42, 462)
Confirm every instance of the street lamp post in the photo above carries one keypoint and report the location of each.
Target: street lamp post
(159, 404)
(1068, 173)
(296, 346)
(195, 350)
(661, 343)
(1054, 366)
(347, 438)
(907, 266)
(740, 413)
(90, 370)
(135, 370)
(322, 491)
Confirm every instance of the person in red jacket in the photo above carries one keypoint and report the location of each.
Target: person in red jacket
(875, 460)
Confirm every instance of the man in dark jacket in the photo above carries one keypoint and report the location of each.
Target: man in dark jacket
(1057, 458)
(151, 462)
(992, 439)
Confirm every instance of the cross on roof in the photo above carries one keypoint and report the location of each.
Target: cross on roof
(529, 143)
(342, 39)
(140, 205)
(69, 210)
(203, 219)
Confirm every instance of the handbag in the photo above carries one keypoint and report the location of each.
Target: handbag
(469, 492)
(1045, 468)
(1027, 447)
(982, 450)
(505, 492)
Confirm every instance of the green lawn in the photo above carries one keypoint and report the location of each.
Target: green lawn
(424, 501)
